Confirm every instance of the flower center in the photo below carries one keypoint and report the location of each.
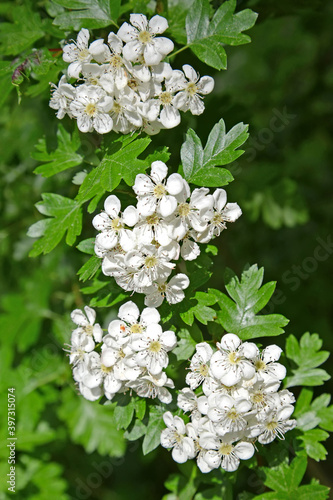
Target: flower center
(271, 426)
(191, 89)
(155, 346)
(116, 108)
(233, 358)
(232, 414)
(159, 191)
(106, 369)
(89, 329)
(116, 224)
(150, 261)
(225, 449)
(165, 98)
(152, 219)
(203, 370)
(136, 328)
(260, 365)
(121, 353)
(132, 84)
(217, 219)
(83, 54)
(91, 109)
(258, 397)
(183, 209)
(115, 61)
(144, 36)
(162, 287)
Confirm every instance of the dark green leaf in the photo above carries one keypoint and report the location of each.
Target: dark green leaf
(89, 14)
(154, 428)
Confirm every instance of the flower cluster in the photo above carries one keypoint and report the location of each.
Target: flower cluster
(139, 245)
(239, 404)
(124, 85)
(132, 355)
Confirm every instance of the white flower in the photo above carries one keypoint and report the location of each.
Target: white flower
(172, 291)
(154, 193)
(112, 225)
(231, 362)
(61, 97)
(223, 212)
(77, 53)
(228, 413)
(152, 227)
(199, 365)
(86, 323)
(175, 437)
(266, 366)
(227, 455)
(81, 343)
(98, 373)
(125, 111)
(275, 423)
(150, 264)
(91, 108)
(131, 322)
(189, 214)
(192, 90)
(140, 40)
(152, 347)
(153, 386)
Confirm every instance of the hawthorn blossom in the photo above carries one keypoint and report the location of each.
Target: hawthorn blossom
(172, 291)
(91, 108)
(140, 38)
(152, 348)
(192, 88)
(175, 437)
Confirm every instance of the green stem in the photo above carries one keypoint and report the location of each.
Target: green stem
(178, 51)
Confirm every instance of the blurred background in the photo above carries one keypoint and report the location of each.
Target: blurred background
(282, 85)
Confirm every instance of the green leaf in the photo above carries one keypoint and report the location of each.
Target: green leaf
(186, 345)
(311, 442)
(124, 411)
(87, 246)
(154, 428)
(199, 165)
(206, 36)
(14, 39)
(200, 309)
(136, 431)
(91, 425)
(307, 356)
(311, 414)
(285, 479)
(63, 158)
(67, 217)
(120, 162)
(90, 268)
(240, 315)
(89, 14)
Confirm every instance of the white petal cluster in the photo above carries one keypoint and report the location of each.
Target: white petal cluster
(124, 85)
(131, 356)
(234, 400)
(140, 245)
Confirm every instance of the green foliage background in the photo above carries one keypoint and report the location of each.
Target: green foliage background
(281, 84)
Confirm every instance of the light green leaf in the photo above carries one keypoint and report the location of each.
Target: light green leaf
(89, 14)
(206, 36)
(90, 268)
(188, 340)
(87, 246)
(199, 165)
(63, 158)
(311, 442)
(199, 308)
(124, 411)
(14, 39)
(240, 315)
(66, 217)
(154, 428)
(307, 356)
